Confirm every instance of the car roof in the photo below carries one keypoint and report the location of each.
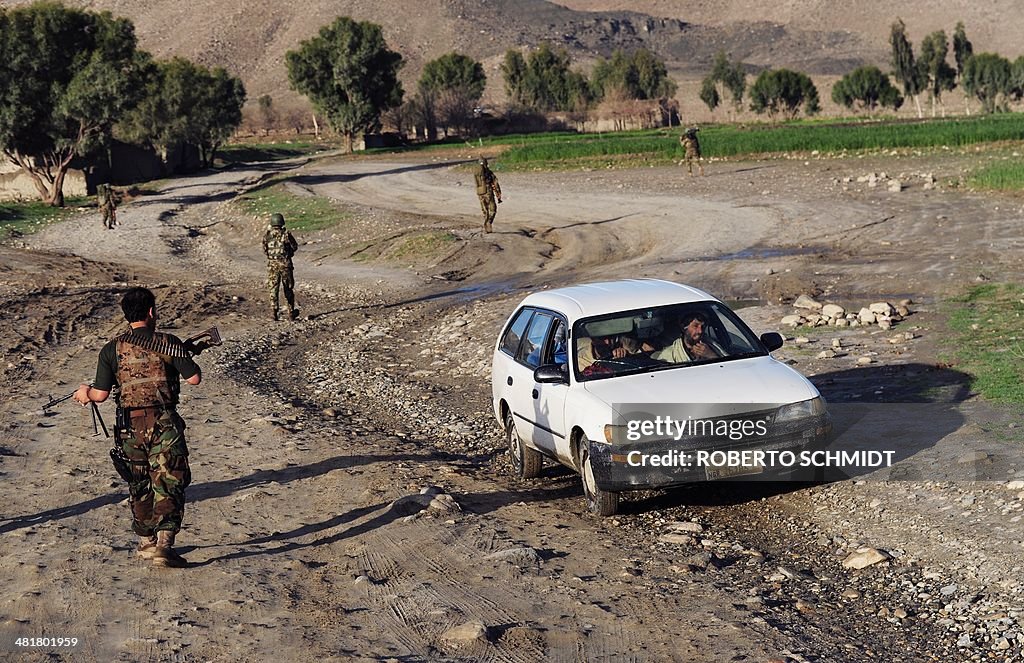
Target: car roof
(588, 299)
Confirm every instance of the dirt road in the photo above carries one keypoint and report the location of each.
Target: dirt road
(311, 442)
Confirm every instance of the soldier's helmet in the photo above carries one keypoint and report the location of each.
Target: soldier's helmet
(277, 220)
(692, 131)
(483, 161)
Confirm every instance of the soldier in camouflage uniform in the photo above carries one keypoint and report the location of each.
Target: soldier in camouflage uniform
(146, 366)
(279, 246)
(106, 199)
(488, 191)
(692, 146)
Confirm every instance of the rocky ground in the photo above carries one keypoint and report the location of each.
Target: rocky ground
(351, 496)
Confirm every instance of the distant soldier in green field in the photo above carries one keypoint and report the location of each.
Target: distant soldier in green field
(106, 200)
(692, 146)
(488, 191)
(279, 246)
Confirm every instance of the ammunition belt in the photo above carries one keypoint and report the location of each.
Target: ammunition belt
(159, 343)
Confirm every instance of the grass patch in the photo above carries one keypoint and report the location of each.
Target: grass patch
(1008, 176)
(25, 218)
(248, 152)
(988, 340)
(302, 212)
(422, 246)
(564, 150)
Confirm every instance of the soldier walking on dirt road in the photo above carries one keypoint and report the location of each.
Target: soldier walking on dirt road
(106, 200)
(149, 437)
(488, 191)
(279, 246)
(692, 146)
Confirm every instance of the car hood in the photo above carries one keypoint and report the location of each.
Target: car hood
(754, 380)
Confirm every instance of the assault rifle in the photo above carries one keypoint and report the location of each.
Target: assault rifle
(97, 420)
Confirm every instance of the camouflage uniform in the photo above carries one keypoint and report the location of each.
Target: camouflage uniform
(107, 201)
(279, 246)
(154, 440)
(488, 191)
(692, 146)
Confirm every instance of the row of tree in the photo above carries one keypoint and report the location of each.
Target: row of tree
(351, 77)
(71, 81)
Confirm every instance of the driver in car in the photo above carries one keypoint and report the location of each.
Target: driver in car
(609, 347)
(692, 345)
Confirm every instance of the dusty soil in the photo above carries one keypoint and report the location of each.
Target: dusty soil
(310, 442)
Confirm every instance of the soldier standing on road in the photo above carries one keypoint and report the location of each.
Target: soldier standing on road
(279, 246)
(146, 366)
(488, 191)
(106, 200)
(692, 146)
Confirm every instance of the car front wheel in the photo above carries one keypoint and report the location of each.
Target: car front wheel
(599, 502)
(526, 462)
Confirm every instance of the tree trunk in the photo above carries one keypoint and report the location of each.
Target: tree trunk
(917, 102)
(349, 139)
(316, 127)
(56, 198)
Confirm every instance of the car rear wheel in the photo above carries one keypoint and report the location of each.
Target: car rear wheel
(599, 502)
(526, 462)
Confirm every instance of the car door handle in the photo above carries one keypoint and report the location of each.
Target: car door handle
(535, 394)
(509, 381)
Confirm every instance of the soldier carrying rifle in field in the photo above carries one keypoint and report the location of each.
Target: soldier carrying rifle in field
(692, 150)
(145, 367)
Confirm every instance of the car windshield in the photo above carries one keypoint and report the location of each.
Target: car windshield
(660, 338)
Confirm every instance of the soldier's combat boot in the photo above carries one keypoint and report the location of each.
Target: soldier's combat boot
(275, 315)
(164, 555)
(294, 315)
(146, 548)
(487, 226)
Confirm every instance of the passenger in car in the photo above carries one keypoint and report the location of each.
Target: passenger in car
(693, 344)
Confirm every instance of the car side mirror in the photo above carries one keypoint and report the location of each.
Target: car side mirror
(771, 340)
(551, 373)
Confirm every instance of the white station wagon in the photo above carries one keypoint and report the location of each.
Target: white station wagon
(644, 383)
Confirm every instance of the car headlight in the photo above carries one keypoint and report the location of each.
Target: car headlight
(614, 433)
(814, 407)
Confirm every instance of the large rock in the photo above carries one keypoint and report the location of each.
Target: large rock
(866, 316)
(792, 320)
(864, 557)
(805, 301)
(468, 632)
(881, 308)
(833, 311)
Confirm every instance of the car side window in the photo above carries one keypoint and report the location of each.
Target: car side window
(510, 342)
(532, 347)
(557, 351)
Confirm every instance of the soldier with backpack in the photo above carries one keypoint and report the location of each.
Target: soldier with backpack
(279, 246)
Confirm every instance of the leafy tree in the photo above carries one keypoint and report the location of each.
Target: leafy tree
(725, 77)
(186, 104)
(267, 111)
(453, 84)
(904, 66)
(1017, 78)
(782, 90)
(962, 50)
(866, 86)
(709, 94)
(938, 76)
(454, 71)
(66, 77)
(987, 77)
(636, 75)
(543, 81)
(349, 74)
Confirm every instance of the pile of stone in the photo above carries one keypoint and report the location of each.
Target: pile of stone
(816, 314)
(892, 184)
